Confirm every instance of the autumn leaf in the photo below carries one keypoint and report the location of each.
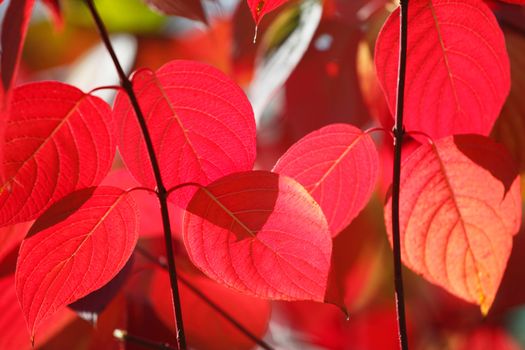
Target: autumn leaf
(77, 246)
(58, 139)
(338, 166)
(458, 73)
(201, 125)
(261, 234)
(459, 210)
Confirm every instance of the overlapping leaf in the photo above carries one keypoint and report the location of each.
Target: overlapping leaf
(201, 125)
(260, 233)
(259, 8)
(338, 165)
(459, 209)
(458, 72)
(78, 245)
(57, 140)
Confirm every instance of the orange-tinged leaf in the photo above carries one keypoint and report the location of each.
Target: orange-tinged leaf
(459, 209)
(260, 233)
(338, 165)
(458, 74)
(58, 139)
(77, 246)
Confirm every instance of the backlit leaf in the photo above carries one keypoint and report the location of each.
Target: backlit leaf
(58, 139)
(459, 209)
(259, 8)
(260, 233)
(14, 30)
(191, 9)
(252, 313)
(201, 124)
(77, 246)
(458, 72)
(338, 166)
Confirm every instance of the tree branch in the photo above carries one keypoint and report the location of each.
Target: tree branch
(162, 194)
(399, 132)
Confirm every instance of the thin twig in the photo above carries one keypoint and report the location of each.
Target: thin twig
(398, 132)
(162, 194)
(161, 263)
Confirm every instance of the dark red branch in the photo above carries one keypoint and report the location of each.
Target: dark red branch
(399, 132)
(162, 194)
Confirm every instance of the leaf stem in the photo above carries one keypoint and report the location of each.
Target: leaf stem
(399, 132)
(207, 300)
(162, 194)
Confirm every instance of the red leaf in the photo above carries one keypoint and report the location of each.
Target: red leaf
(260, 233)
(519, 2)
(252, 313)
(57, 140)
(78, 245)
(14, 29)
(200, 122)
(338, 165)
(458, 75)
(191, 9)
(259, 8)
(459, 209)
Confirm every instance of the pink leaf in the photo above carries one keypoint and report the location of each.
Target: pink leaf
(191, 9)
(338, 165)
(14, 29)
(57, 140)
(458, 76)
(459, 209)
(201, 124)
(261, 234)
(259, 8)
(77, 246)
